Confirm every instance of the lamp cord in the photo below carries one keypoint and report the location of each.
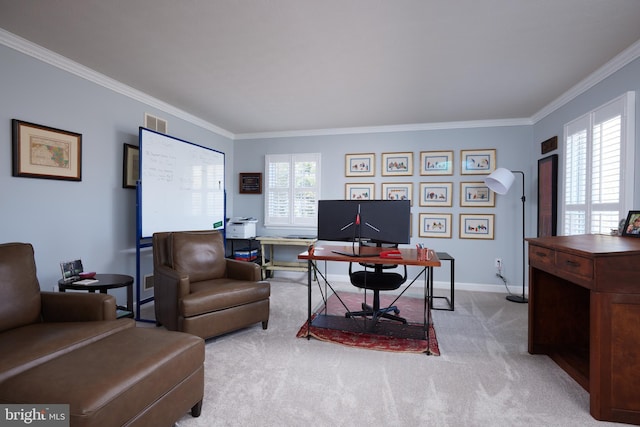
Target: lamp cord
(504, 281)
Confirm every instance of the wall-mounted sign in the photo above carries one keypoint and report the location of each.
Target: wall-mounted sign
(251, 183)
(549, 145)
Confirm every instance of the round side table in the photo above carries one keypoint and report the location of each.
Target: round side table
(106, 282)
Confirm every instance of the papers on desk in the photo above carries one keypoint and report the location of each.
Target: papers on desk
(86, 282)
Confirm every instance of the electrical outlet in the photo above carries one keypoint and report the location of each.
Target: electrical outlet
(498, 263)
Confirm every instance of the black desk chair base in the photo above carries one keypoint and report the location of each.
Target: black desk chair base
(376, 312)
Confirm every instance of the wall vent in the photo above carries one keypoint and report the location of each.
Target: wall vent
(148, 282)
(155, 123)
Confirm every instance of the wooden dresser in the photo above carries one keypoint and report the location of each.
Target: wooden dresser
(584, 312)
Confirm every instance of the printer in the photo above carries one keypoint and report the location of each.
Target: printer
(241, 228)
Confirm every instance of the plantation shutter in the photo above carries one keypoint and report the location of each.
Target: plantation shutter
(596, 147)
(293, 189)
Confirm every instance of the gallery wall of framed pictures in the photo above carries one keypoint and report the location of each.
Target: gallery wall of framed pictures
(433, 192)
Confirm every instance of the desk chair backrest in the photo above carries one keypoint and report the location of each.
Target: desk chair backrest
(377, 268)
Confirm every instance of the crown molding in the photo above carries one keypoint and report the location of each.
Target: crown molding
(45, 55)
(383, 129)
(618, 62)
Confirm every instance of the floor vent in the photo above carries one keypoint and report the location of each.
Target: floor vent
(148, 282)
(155, 123)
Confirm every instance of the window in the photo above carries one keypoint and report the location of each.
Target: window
(292, 185)
(598, 170)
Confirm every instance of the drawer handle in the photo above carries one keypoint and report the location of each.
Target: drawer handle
(541, 254)
(573, 263)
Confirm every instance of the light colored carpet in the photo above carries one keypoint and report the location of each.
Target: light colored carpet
(484, 377)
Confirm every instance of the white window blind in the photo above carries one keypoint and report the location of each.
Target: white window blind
(292, 189)
(599, 155)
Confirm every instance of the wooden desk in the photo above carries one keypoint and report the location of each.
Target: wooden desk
(369, 255)
(584, 312)
(269, 263)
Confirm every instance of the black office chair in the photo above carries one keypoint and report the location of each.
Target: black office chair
(375, 278)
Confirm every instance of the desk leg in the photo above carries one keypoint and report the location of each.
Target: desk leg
(309, 268)
(430, 304)
(453, 281)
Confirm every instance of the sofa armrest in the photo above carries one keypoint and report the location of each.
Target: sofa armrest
(77, 307)
(243, 270)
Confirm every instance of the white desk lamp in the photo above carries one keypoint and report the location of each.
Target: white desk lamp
(499, 182)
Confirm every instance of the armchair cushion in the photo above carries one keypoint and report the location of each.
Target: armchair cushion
(214, 295)
(35, 344)
(199, 255)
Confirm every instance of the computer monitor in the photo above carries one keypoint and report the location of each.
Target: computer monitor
(378, 221)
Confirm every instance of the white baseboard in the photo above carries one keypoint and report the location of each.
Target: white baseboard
(341, 282)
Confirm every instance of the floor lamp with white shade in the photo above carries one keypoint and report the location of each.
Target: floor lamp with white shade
(500, 181)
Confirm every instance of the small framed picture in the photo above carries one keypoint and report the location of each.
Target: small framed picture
(71, 270)
(474, 226)
(360, 164)
(397, 191)
(435, 225)
(477, 162)
(250, 182)
(436, 163)
(632, 225)
(436, 193)
(130, 166)
(397, 164)
(476, 194)
(359, 191)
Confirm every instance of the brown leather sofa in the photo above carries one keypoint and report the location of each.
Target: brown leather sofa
(199, 291)
(69, 348)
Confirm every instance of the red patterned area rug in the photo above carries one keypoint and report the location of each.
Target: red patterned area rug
(330, 324)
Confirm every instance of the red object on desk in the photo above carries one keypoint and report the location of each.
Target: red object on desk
(391, 254)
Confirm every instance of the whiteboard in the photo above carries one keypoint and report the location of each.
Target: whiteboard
(181, 185)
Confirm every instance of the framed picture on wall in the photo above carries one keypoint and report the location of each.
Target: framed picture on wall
(359, 191)
(476, 194)
(45, 152)
(436, 163)
(397, 191)
(475, 226)
(397, 164)
(477, 162)
(130, 166)
(250, 182)
(360, 164)
(436, 194)
(435, 225)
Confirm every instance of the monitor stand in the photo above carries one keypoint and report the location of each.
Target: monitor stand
(354, 253)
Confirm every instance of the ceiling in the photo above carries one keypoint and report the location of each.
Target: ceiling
(265, 66)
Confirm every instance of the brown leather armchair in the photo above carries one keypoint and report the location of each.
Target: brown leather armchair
(199, 291)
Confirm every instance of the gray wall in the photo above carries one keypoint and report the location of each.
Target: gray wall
(93, 219)
(474, 258)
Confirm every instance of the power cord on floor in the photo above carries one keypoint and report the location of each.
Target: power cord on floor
(504, 281)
